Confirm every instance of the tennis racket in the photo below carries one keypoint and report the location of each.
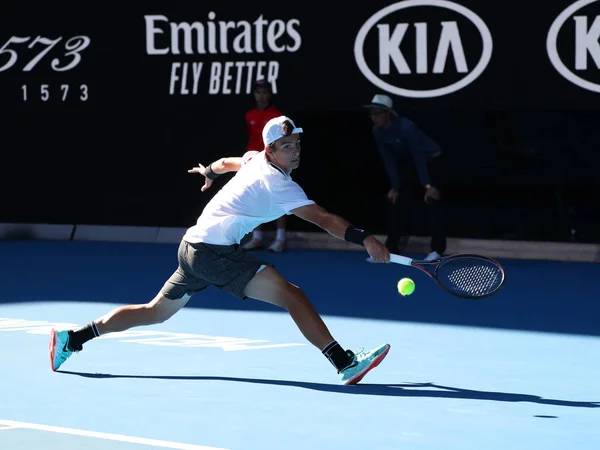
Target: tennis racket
(463, 275)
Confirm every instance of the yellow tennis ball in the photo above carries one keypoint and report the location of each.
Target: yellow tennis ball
(406, 286)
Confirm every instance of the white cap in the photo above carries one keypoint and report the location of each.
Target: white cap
(383, 102)
(273, 130)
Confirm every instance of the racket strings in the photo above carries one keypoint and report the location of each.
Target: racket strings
(474, 278)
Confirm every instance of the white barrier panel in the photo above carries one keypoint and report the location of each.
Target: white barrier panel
(552, 251)
(170, 235)
(115, 233)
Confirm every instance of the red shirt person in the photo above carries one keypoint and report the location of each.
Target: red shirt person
(257, 118)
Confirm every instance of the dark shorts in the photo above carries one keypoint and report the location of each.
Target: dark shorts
(227, 267)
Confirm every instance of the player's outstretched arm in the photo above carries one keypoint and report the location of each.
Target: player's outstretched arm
(342, 229)
(219, 167)
(225, 165)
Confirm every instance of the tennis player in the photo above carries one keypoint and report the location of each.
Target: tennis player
(209, 253)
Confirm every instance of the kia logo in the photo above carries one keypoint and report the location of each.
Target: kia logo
(586, 34)
(450, 54)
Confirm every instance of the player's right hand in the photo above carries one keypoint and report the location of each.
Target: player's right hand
(376, 250)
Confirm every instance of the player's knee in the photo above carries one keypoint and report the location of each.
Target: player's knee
(162, 309)
(294, 296)
(154, 314)
(161, 316)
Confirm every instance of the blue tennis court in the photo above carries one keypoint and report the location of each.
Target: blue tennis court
(517, 370)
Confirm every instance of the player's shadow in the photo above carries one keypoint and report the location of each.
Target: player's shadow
(430, 390)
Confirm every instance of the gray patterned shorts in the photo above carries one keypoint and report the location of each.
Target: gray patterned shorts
(227, 267)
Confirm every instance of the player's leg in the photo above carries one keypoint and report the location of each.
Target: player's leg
(172, 297)
(64, 343)
(270, 286)
(243, 275)
(156, 311)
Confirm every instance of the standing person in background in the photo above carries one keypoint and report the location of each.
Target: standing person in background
(256, 119)
(413, 163)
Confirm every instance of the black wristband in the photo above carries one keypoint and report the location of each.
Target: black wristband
(355, 235)
(210, 174)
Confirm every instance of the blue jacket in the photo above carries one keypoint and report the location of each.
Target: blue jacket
(402, 139)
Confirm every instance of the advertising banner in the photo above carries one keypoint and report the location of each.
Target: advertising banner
(426, 54)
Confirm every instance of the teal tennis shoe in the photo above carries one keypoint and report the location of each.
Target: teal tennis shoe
(362, 363)
(58, 348)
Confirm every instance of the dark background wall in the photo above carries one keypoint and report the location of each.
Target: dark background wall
(521, 139)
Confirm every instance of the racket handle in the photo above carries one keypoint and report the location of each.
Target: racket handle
(400, 259)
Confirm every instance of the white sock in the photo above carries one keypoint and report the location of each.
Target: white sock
(280, 234)
(257, 234)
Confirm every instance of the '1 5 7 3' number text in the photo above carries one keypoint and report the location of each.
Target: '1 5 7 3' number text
(45, 93)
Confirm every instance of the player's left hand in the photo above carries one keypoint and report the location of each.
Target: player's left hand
(202, 171)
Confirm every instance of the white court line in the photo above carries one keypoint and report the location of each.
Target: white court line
(108, 436)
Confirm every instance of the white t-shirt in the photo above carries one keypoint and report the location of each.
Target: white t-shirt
(258, 193)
